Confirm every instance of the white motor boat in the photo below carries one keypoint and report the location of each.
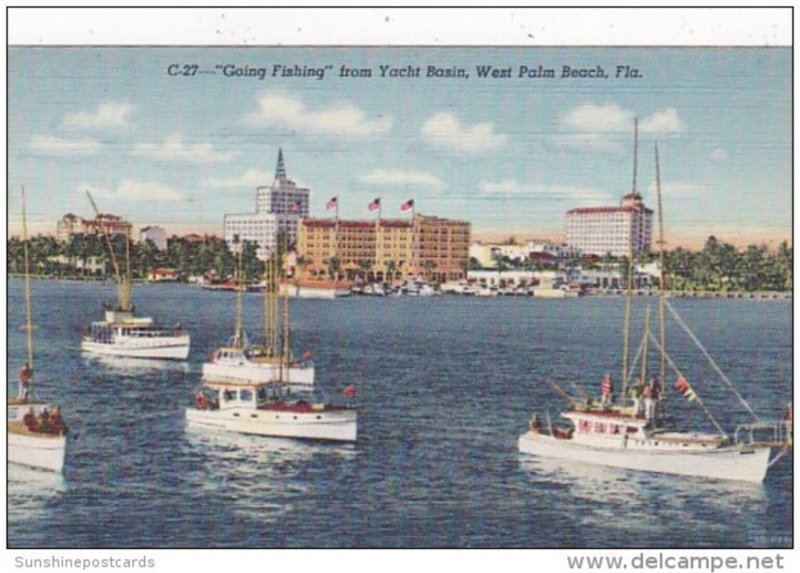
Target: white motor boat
(123, 334)
(265, 409)
(255, 364)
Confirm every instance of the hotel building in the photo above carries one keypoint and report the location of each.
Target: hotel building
(71, 224)
(279, 208)
(607, 230)
(388, 250)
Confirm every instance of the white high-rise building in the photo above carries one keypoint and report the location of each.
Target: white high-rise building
(156, 234)
(279, 208)
(607, 230)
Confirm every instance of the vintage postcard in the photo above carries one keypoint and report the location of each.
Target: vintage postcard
(407, 279)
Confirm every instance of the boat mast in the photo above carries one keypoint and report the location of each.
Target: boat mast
(629, 298)
(28, 317)
(239, 336)
(123, 285)
(643, 379)
(286, 345)
(662, 291)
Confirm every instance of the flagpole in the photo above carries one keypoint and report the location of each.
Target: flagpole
(336, 238)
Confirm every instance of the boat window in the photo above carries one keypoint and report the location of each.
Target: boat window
(615, 429)
(599, 427)
(632, 429)
(246, 395)
(262, 394)
(584, 426)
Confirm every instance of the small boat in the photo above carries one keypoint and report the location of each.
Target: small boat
(268, 409)
(270, 361)
(621, 434)
(121, 333)
(37, 434)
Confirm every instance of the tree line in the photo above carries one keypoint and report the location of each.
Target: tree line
(718, 266)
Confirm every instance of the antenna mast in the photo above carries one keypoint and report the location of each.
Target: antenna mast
(123, 285)
(662, 291)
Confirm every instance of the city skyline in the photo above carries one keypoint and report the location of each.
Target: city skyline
(511, 155)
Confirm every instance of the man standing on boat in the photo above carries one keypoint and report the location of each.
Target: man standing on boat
(25, 377)
(607, 391)
(651, 395)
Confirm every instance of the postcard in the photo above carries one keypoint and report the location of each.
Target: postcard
(400, 279)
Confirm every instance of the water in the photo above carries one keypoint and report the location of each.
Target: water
(447, 386)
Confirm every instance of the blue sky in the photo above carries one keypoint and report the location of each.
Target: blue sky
(510, 155)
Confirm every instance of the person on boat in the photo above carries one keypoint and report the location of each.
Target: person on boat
(636, 396)
(44, 420)
(57, 425)
(30, 420)
(607, 391)
(202, 403)
(535, 424)
(25, 377)
(651, 396)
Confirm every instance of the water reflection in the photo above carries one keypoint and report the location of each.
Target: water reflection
(30, 491)
(648, 501)
(257, 477)
(124, 364)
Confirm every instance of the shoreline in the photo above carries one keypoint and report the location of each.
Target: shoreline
(754, 295)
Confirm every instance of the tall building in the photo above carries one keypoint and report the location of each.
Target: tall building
(607, 230)
(156, 234)
(385, 250)
(279, 208)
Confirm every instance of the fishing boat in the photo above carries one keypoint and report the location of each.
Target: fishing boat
(633, 432)
(270, 361)
(37, 435)
(122, 333)
(269, 409)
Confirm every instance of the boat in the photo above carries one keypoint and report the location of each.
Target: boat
(270, 361)
(269, 409)
(122, 333)
(621, 433)
(37, 434)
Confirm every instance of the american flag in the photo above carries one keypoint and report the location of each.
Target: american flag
(407, 206)
(375, 205)
(332, 203)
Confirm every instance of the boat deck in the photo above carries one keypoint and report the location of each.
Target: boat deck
(18, 427)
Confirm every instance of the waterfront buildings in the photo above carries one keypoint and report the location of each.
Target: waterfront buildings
(607, 230)
(156, 234)
(279, 208)
(487, 255)
(71, 224)
(431, 248)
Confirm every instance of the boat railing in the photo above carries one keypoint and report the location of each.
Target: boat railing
(769, 434)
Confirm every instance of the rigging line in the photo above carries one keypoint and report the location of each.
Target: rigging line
(635, 362)
(28, 314)
(711, 360)
(699, 400)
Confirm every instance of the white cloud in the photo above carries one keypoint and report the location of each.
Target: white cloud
(444, 130)
(54, 145)
(718, 154)
(108, 115)
(399, 177)
(175, 150)
(511, 188)
(602, 127)
(250, 178)
(136, 191)
(663, 121)
(339, 120)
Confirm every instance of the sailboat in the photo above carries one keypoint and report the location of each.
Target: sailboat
(267, 362)
(256, 396)
(623, 434)
(37, 435)
(122, 333)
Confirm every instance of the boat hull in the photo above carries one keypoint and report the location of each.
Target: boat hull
(40, 452)
(170, 348)
(724, 463)
(336, 425)
(298, 378)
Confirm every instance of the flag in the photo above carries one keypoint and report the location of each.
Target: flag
(407, 206)
(332, 203)
(350, 391)
(685, 388)
(375, 205)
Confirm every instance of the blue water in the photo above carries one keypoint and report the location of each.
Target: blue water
(447, 385)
